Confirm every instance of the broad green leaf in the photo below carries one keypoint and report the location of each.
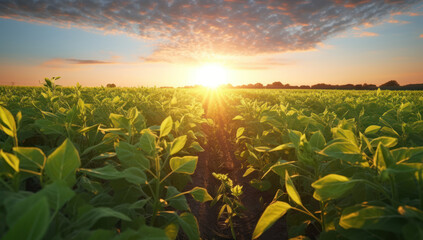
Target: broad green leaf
(135, 176)
(317, 140)
(11, 159)
(57, 194)
(89, 218)
(383, 157)
(292, 191)
(272, 213)
(178, 144)
(148, 142)
(347, 135)
(186, 164)
(374, 130)
(119, 121)
(386, 141)
(200, 194)
(344, 150)
(31, 158)
(189, 225)
(331, 186)
(295, 137)
(166, 126)
(368, 217)
(129, 156)
(7, 122)
(63, 162)
(33, 222)
(179, 202)
(49, 127)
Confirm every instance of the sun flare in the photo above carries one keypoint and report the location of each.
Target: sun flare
(211, 75)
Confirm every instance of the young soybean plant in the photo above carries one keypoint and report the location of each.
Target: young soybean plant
(155, 157)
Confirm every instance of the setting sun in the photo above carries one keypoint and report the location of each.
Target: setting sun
(211, 75)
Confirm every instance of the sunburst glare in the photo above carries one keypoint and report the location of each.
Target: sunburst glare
(211, 75)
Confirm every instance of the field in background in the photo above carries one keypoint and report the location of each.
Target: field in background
(142, 163)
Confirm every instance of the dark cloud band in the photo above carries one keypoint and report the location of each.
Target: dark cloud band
(201, 29)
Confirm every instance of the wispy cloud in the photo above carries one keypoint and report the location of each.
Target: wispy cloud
(68, 62)
(367, 34)
(186, 30)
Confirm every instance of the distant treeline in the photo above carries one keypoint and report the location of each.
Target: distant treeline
(390, 85)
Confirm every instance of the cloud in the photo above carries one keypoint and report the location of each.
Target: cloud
(367, 34)
(68, 62)
(192, 30)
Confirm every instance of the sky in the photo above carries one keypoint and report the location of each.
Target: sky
(134, 43)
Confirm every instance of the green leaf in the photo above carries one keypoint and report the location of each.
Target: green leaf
(135, 176)
(347, 135)
(166, 126)
(107, 172)
(383, 157)
(200, 194)
(386, 141)
(179, 202)
(151, 233)
(344, 150)
(129, 156)
(272, 213)
(33, 222)
(368, 217)
(11, 159)
(189, 225)
(295, 137)
(317, 140)
(57, 194)
(178, 144)
(331, 186)
(261, 185)
(239, 132)
(292, 191)
(7, 122)
(31, 158)
(63, 162)
(186, 164)
(172, 231)
(89, 218)
(196, 146)
(374, 129)
(412, 230)
(119, 121)
(148, 142)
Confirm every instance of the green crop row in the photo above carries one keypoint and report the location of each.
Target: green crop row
(98, 163)
(114, 163)
(352, 169)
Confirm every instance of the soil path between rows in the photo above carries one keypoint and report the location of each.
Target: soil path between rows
(219, 157)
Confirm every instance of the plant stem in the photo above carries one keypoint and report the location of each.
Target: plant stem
(308, 213)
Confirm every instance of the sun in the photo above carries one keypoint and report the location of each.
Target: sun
(211, 75)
